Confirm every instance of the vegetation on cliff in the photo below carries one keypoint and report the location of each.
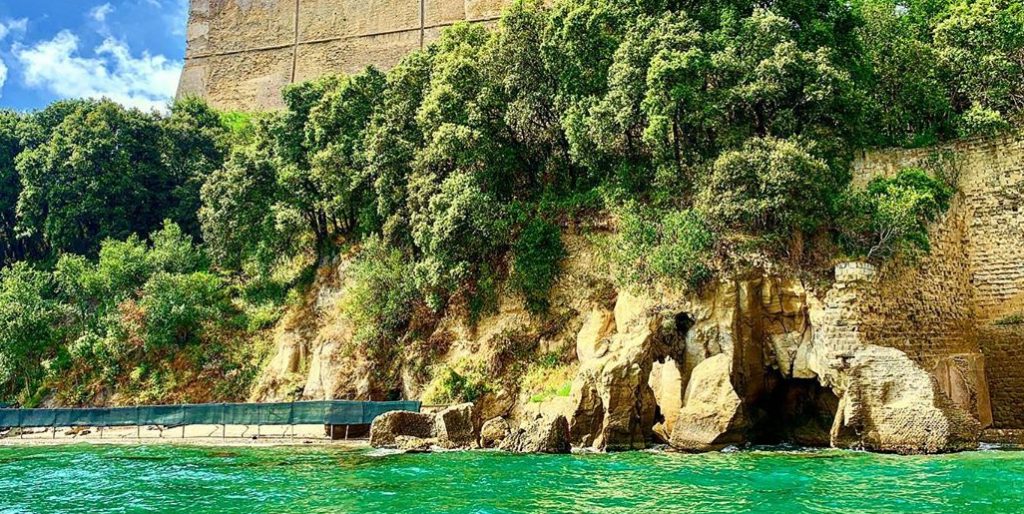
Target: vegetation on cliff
(709, 129)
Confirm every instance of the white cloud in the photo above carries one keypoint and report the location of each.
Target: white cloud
(100, 12)
(3, 77)
(177, 17)
(16, 27)
(146, 82)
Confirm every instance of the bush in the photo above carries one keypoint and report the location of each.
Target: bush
(674, 246)
(380, 299)
(535, 259)
(891, 215)
(177, 307)
(29, 325)
(770, 185)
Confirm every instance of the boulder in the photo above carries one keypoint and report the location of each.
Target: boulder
(712, 414)
(494, 432)
(388, 426)
(454, 427)
(411, 444)
(613, 405)
(890, 404)
(541, 435)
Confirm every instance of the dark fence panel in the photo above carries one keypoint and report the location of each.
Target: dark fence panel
(332, 412)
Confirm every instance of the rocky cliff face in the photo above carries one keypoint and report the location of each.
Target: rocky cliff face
(918, 356)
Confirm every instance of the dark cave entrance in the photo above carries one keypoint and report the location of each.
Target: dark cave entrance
(794, 411)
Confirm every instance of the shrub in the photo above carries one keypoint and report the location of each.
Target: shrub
(176, 307)
(29, 324)
(535, 259)
(770, 185)
(891, 215)
(380, 299)
(674, 246)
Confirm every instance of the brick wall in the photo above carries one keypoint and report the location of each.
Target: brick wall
(242, 52)
(952, 300)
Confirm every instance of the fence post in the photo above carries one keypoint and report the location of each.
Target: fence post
(223, 422)
(182, 421)
(138, 424)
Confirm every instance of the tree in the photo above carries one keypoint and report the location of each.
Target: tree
(891, 216)
(99, 174)
(980, 42)
(29, 325)
(196, 143)
(238, 214)
(11, 248)
(768, 186)
(335, 136)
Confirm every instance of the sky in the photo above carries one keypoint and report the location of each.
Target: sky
(130, 51)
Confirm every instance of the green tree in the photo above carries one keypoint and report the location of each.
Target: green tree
(99, 174)
(768, 186)
(238, 215)
(892, 215)
(11, 248)
(29, 326)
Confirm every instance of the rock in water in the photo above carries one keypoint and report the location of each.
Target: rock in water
(542, 435)
(494, 432)
(388, 426)
(712, 417)
(454, 427)
(415, 444)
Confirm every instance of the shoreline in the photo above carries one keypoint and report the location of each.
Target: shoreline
(191, 435)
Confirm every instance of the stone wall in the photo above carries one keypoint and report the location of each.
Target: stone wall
(242, 52)
(957, 300)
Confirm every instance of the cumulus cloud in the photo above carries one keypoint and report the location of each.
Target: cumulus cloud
(57, 65)
(3, 77)
(100, 12)
(14, 28)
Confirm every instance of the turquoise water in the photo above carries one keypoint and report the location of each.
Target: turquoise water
(311, 480)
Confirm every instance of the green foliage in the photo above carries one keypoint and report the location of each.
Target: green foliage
(380, 300)
(768, 186)
(892, 215)
(29, 325)
(704, 121)
(1010, 320)
(459, 387)
(455, 228)
(238, 213)
(177, 306)
(535, 259)
(672, 246)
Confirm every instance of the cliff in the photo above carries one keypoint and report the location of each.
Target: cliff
(917, 356)
(240, 53)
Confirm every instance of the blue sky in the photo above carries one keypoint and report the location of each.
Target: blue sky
(128, 50)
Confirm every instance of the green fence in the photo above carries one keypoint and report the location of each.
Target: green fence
(333, 412)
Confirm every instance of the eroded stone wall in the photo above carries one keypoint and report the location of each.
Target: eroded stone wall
(242, 52)
(964, 296)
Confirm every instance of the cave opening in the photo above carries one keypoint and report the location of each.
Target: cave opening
(794, 411)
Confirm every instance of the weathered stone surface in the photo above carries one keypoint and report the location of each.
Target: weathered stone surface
(712, 416)
(240, 53)
(388, 426)
(412, 444)
(892, 405)
(494, 432)
(541, 435)
(614, 405)
(454, 427)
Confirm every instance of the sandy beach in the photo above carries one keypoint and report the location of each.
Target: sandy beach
(198, 435)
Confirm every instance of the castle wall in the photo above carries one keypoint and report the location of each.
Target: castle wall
(958, 299)
(242, 52)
